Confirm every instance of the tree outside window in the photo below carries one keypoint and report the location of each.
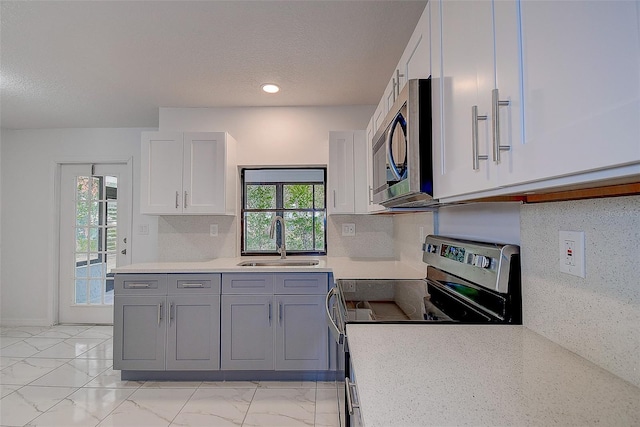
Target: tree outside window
(298, 196)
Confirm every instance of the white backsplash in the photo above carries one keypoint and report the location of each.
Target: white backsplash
(597, 317)
(187, 238)
(408, 238)
(373, 239)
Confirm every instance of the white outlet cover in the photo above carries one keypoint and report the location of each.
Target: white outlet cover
(348, 229)
(213, 230)
(572, 253)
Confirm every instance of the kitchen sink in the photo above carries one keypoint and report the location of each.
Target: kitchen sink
(280, 263)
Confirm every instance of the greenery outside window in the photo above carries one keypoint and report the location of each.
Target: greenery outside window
(298, 196)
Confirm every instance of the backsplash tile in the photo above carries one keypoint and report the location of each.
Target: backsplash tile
(597, 317)
(186, 238)
(373, 239)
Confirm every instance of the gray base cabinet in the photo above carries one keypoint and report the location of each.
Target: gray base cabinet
(166, 322)
(265, 329)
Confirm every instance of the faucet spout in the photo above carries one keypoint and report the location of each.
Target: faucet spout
(282, 249)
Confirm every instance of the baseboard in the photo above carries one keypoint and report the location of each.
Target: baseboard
(24, 322)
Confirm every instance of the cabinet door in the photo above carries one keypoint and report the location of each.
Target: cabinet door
(193, 339)
(204, 167)
(371, 207)
(302, 337)
(161, 173)
(467, 73)
(415, 62)
(247, 332)
(341, 178)
(581, 87)
(139, 332)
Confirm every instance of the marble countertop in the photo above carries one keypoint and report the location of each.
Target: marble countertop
(341, 267)
(435, 375)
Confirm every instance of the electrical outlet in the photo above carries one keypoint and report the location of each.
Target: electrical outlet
(348, 229)
(572, 253)
(213, 230)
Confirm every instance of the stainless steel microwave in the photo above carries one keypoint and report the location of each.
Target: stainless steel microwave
(402, 150)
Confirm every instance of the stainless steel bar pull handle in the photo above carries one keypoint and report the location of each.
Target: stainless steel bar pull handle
(269, 314)
(193, 285)
(495, 124)
(279, 313)
(177, 196)
(474, 137)
(138, 285)
(159, 313)
(334, 198)
(170, 313)
(397, 80)
(348, 385)
(338, 335)
(185, 199)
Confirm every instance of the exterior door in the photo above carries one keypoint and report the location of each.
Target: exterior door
(95, 219)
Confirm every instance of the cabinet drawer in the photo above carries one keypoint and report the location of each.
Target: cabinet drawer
(137, 284)
(301, 283)
(194, 283)
(250, 283)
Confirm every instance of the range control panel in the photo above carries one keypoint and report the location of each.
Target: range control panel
(460, 254)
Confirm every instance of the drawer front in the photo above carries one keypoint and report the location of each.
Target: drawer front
(140, 284)
(194, 283)
(301, 284)
(249, 283)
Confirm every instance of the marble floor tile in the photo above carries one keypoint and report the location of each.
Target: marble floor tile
(171, 384)
(65, 375)
(25, 404)
(23, 331)
(91, 367)
(19, 349)
(149, 407)
(111, 379)
(8, 361)
(103, 350)
(63, 331)
(327, 408)
(103, 332)
(28, 370)
(43, 343)
(230, 384)
(69, 348)
(86, 407)
(215, 407)
(282, 407)
(287, 384)
(6, 389)
(7, 341)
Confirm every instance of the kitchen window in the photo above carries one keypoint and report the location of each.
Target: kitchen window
(298, 196)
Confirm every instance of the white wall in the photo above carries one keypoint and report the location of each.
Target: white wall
(28, 272)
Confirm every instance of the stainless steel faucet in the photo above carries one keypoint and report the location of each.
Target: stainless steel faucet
(282, 250)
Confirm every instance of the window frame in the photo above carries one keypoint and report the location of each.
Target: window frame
(280, 210)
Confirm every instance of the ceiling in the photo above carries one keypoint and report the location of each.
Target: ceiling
(113, 63)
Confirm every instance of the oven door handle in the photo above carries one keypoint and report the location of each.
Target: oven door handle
(337, 334)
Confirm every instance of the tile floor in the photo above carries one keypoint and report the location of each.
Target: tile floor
(63, 376)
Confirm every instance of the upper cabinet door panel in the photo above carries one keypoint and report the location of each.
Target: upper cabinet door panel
(204, 172)
(341, 173)
(160, 179)
(468, 78)
(581, 86)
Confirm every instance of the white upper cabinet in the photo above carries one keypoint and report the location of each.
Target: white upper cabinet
(468, 75)
(347, 173)
(534, 94)
(368, 152)
(581, 87)
(188, 173)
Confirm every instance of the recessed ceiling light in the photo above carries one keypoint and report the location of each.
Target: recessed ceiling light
(270, 88)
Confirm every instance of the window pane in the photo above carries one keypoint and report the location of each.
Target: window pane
(256, 232)
(319, 228)
(82, 239)
(82, 188)
(82, 213)
(299, 231)
(112, 213)
(319, 196)
(298, 196)
(94, 212)
(94, 235)
(261, 196)
(95, 291)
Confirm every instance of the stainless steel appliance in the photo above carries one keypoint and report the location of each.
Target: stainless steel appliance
(467, 282)
(402, 153)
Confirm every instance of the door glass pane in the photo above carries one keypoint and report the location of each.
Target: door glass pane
(96, 238)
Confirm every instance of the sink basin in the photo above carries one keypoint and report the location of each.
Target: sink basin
(280, 263)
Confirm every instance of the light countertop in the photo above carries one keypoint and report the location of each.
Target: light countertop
(342, 267)
(435, 375)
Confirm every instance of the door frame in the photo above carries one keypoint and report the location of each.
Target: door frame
(54, 223)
